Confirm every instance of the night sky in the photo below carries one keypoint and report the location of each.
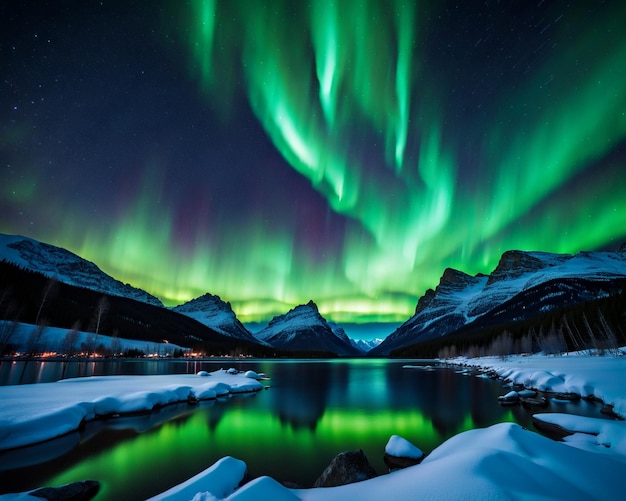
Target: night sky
(273, 152)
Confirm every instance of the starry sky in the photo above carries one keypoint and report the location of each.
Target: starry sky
(344, 151)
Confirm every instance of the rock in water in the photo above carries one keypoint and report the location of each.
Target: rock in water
(346, 468)
(400, 453)
(76, 491)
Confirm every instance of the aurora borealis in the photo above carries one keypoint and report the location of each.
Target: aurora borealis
(345, 151)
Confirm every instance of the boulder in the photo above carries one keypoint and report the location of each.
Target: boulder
(76, 491)
(607, 410)
(553, 431)
(534, 402)
(574, 397)
(400, 453)
(510, 398)
(346, 468)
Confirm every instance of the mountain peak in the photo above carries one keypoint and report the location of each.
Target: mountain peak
(304, 328)
(311, 304)
(212, 311)
(452, 278)
(206, 301)
(515, 263)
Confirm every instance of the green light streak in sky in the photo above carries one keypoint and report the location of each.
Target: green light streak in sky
(417, 215)
(579, 117)
(361, 99)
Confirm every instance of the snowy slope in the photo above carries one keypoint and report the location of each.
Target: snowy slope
(64, 341)
(461, 299)
(303, 328)
(66, 267)
(211, 311)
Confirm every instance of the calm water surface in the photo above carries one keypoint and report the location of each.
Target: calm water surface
(313, 410)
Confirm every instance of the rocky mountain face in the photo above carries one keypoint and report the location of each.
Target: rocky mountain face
(66, 267)
(522, 285)
(211, 311)
(303, 328)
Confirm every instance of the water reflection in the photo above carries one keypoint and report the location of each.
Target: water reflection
(36, 371)
(313, 410)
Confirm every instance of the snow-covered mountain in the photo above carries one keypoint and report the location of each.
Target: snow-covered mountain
(339, 332)
(211, 311)
(66, 267)
(362, 345)
(523, 284)
(303, 328)
(365, 345)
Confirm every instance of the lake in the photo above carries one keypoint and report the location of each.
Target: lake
(313, 410)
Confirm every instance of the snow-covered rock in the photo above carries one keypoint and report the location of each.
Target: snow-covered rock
(303, 328)
(216, 482)
(66, 267)
(400, 447)
(512, 397)
(217, 314)
(577, 373)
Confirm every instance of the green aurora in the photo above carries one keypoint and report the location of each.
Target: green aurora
(423, 135)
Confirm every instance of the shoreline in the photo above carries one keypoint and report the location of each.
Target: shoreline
(482, 460)
(37, 413)
(552, 381)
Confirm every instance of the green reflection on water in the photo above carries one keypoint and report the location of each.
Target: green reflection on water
(181, 448)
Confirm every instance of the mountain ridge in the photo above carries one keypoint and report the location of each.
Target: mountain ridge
(460, 300)
(67, 267)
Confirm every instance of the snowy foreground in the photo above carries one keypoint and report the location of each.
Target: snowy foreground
(503, 461)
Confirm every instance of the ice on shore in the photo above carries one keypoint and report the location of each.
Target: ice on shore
(602, 377)
(33, 413)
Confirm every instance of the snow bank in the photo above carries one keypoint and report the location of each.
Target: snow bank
(215, 482)
(34, 413)
(610, 434)
(601, 377)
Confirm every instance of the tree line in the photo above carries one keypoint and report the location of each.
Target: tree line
(595, 327)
